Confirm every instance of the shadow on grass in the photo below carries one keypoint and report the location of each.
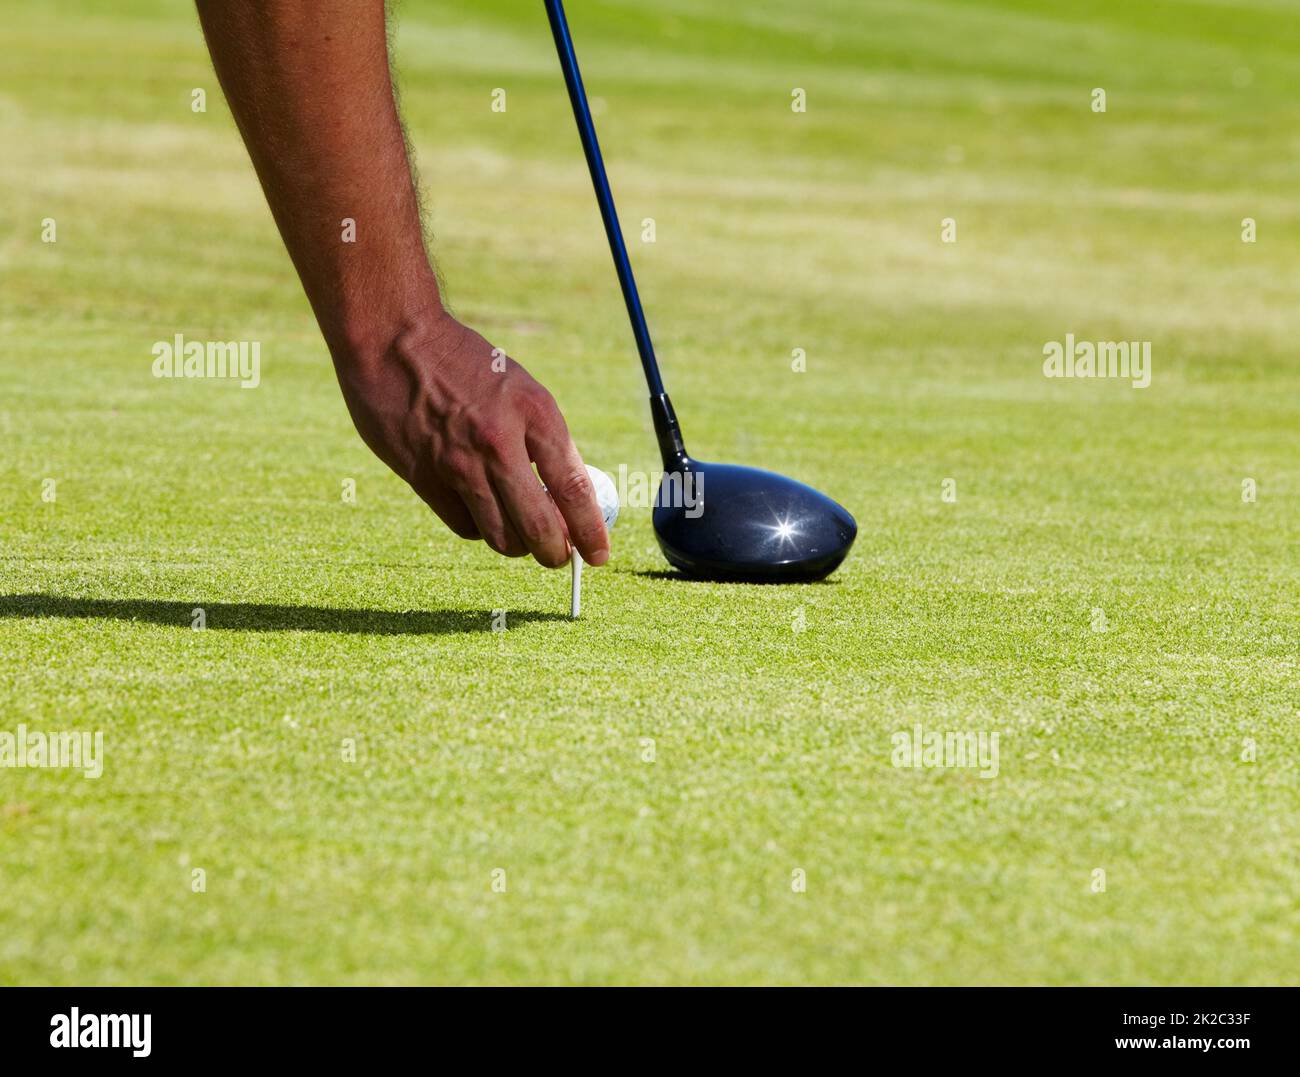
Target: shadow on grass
(262, 617)
(681, 577)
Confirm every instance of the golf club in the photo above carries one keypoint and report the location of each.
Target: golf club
(713, 521)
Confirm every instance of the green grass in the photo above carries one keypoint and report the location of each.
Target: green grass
(522, 750)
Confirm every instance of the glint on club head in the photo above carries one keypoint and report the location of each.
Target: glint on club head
(746, 524)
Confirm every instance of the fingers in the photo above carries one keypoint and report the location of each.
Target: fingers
(565, 475)
(493, 522)
(476, 438)
(448, 506)
(536, 519)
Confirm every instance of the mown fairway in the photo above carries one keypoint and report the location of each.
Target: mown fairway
(1080, 505)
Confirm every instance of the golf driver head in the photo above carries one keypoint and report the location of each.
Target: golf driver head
(725, 522)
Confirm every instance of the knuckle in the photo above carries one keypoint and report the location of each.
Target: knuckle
(542, 405)
(575, 486)
(594, 535)
(459, 465)
(490, 439)
(536, 529)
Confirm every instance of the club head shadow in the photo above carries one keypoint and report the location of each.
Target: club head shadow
(726, 522)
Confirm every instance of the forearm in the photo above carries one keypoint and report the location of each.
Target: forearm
(309, 85)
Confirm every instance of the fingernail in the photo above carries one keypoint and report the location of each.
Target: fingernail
(599, 557)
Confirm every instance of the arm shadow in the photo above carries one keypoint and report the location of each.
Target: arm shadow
(265, 617)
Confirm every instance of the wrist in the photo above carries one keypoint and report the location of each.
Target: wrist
(363, 333)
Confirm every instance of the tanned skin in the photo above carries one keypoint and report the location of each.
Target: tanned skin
(309, 84)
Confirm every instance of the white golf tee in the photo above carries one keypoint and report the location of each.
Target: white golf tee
(575, 607)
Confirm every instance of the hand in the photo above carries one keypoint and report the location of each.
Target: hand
(463, 424)
(310, 87)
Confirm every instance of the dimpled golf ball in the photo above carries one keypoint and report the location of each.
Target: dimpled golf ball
(606, 495)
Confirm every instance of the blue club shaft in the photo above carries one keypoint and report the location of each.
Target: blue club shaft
(666, 428)
(600, 181)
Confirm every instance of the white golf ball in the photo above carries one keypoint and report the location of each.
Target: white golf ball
(606, 495)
